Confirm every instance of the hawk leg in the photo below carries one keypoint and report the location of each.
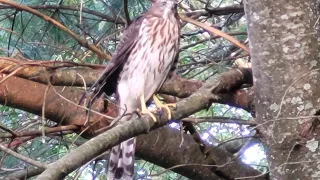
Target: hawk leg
(166, 106)
(144, 109)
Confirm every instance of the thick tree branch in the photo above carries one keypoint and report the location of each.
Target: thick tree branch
(58, 109)
(176, 86)
(59, 74)
(200, 100)
(165, 151)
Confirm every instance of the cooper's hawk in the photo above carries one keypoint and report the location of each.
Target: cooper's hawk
(142, 61)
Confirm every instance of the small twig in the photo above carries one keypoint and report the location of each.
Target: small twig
(8, 170)
(181, 133)
(114, 122)
(184, 165)
(84, 166)
(285, 93)
(23, 158)
(47, 64)
(11, 74)
(267, 172)
(233, 139)
(43, 118)
(287, 159)
(126, 12)
(39, 132)
(83, 80)
(215, 31)
(81, 41)
(80, 14)
(9, 131)
(83, 107)
(141, 167)
(17, 142)
(220, 120)
(287, 90)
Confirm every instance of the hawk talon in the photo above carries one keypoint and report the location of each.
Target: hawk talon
(150, 114)
(165, 106)
(139, 113)
(173, 105)
(144, 109)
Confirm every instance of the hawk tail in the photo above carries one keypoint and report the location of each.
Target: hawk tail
(121, 161)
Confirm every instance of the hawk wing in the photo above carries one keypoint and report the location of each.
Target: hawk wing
(107, 82)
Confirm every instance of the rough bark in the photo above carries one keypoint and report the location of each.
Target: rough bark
(284, 45)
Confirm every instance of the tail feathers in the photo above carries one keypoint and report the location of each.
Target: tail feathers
(108, 78)
(121, 161)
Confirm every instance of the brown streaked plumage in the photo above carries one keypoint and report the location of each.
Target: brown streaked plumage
(144, 58)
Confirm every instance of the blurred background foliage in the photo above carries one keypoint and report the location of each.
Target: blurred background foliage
(201, 56)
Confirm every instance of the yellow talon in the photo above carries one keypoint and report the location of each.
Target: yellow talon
(166, 106)
(144, 109)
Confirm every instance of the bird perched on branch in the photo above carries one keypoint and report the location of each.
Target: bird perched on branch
(144, 58)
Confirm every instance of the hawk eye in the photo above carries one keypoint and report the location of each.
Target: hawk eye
(164, 3)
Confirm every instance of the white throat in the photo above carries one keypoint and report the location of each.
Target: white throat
(167, 13)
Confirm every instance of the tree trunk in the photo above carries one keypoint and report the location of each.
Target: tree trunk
(285, 51)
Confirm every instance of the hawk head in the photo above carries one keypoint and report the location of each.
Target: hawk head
(164, 8)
